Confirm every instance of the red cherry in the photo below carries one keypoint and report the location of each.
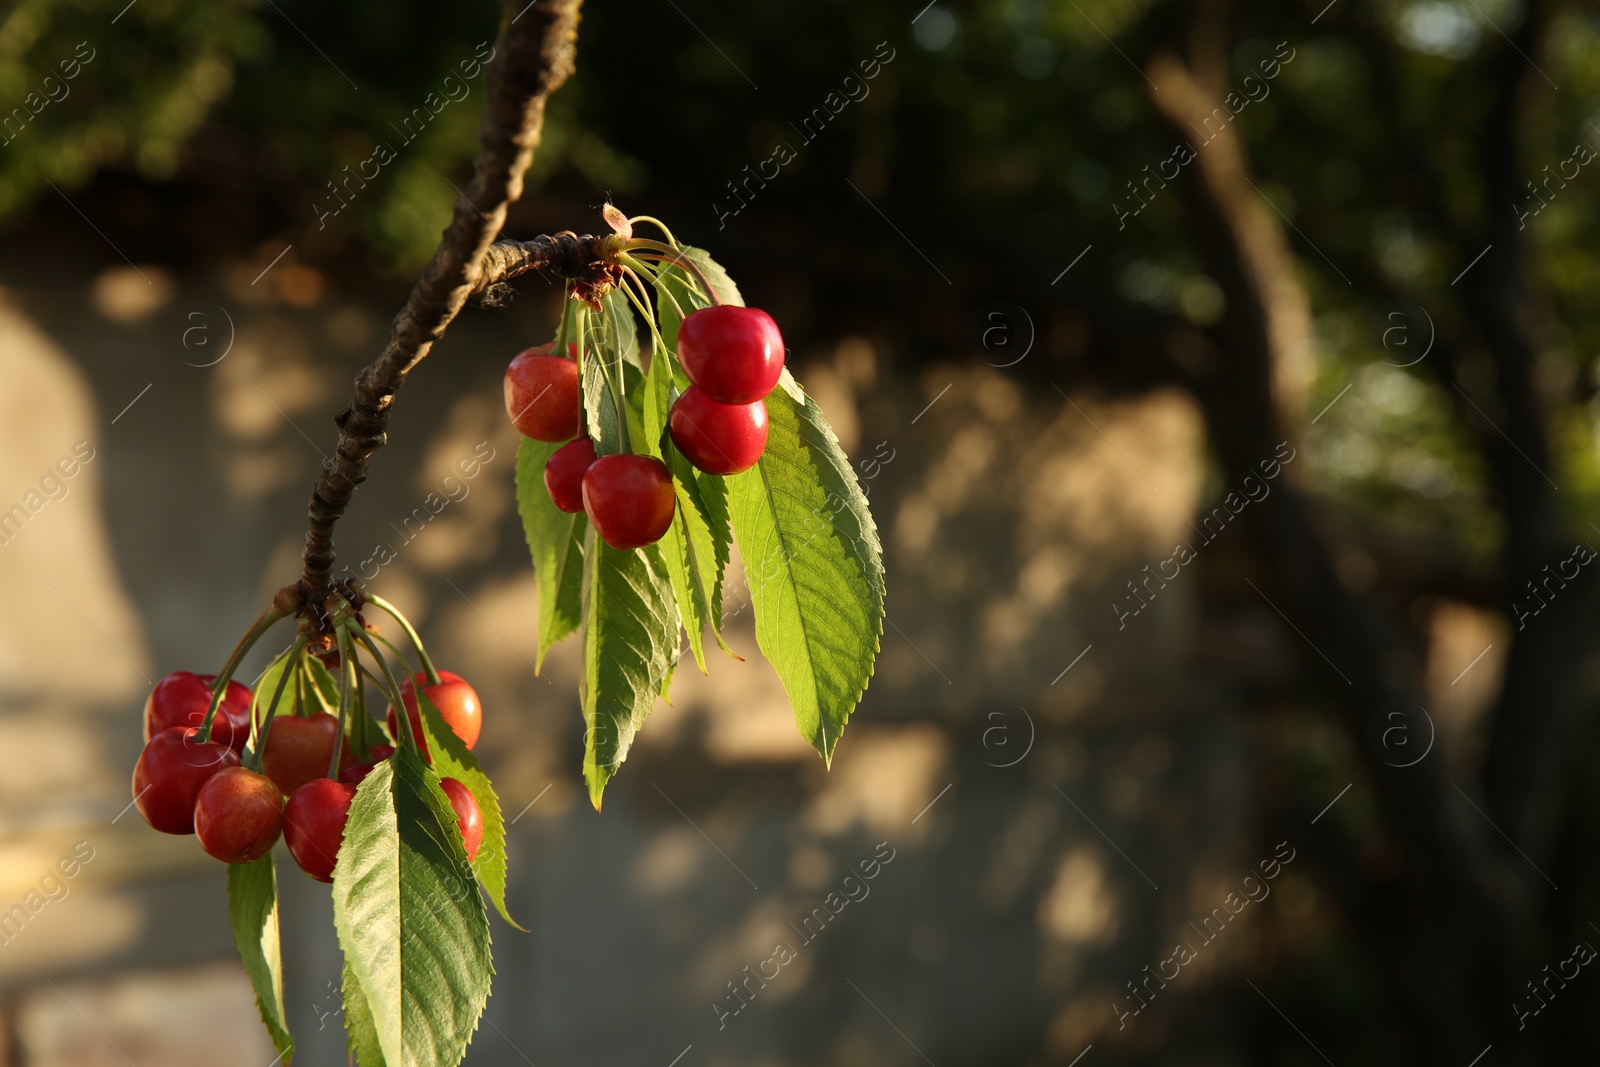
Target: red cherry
(718, 438)
(457, 703)
(735, 354)
(563, 473)
(542, 394)
(181, 699)
(468, 815)
(170, 772)
(355, 773)
(313, 824)
(629, 499)
(298, 749)
(238, 815)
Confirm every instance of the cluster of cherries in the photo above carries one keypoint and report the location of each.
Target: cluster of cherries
(732, 355)
(183, 785)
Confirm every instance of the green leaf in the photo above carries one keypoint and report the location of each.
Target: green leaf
(267, 684)
(409, 917)
(599, 405)
(630, 640)
(322, 690)
(366, 903)
(253, 914)
(679, 292)
(696, 551)
(814, 566)
(555, 540)
(614, 328)
(361, 1034)
(655, 404)
(611, 345)
(452, 759)
(633, 406)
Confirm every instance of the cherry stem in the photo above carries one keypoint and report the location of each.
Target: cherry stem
(411, 633)
(401, 712)
(291, 665)
(659, 343)
(674, 257)
(346, 656)
(664, 291)
(658, 224)
(393, 648)
(246, 643)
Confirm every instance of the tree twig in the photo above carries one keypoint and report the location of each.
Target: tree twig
(533, 57)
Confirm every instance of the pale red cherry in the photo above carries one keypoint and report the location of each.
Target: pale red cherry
(541, 392)
(238, 815)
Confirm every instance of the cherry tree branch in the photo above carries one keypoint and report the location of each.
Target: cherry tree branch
(533, 57)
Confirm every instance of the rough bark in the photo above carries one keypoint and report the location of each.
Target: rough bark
(533, 56)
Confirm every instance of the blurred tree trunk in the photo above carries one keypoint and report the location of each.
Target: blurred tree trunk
(1476, 914)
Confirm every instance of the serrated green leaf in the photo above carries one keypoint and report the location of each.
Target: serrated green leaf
(361, 1034)
(409, 916)
(452, 759)
(696, 550)
(555, 539)
(630, 640)
(253, 914)
(679, 292)
(814, 567)
(787, 383)
(366, 903)
(445, 957)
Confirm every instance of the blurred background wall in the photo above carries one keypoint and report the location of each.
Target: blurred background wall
(1054, 362)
